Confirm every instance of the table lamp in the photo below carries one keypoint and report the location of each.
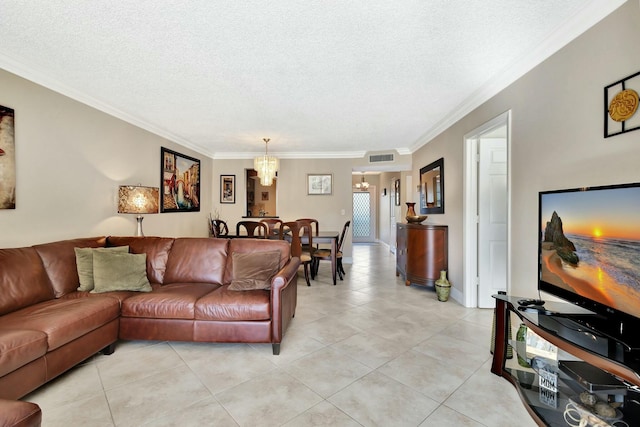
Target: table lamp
(137, 199)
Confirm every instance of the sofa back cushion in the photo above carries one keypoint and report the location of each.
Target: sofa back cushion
(23, 279)
(197, 260)
(59, 259)
(156, 248)
(245, 246)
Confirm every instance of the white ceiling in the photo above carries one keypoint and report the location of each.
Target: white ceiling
(320, 78)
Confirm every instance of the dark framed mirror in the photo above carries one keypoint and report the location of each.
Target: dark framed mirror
(432, 188)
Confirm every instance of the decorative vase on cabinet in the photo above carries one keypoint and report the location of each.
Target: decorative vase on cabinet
(411, 216)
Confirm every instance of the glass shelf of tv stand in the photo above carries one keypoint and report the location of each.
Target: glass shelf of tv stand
(549, 406)
(546, 407)
(558, 326)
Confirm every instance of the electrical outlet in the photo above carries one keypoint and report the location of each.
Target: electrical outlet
(342, 212)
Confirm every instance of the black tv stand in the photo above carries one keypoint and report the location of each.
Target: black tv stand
(584, 341)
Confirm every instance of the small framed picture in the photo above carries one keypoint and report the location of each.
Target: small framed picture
(265, 195)
(227, 188)
(396, 191)
(319, 184)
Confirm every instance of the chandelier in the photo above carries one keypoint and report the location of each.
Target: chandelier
(363, 185)
(266, 166)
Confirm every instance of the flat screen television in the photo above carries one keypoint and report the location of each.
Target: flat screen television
(589, 252)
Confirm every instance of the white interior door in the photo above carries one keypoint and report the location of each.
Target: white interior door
(486, 211)
(492, 219)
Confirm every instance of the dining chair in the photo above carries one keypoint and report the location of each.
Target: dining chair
(255, 229)
(325, 255)
(294, 230)
(313, 226)
(273, 224)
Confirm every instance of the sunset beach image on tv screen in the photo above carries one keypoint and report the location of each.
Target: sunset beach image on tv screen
(591, 245)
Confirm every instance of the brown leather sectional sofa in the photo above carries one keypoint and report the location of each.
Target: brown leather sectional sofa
(47, 326)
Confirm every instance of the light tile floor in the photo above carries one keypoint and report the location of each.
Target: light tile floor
(367, 352)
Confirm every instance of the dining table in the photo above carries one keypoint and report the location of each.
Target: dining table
(330, 237)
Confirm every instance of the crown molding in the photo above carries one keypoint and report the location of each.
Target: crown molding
(15, 67)
(593, 13)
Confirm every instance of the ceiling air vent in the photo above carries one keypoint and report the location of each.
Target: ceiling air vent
(377, 158)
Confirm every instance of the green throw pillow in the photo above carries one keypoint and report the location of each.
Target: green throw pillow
(254, 270)
(119, 271)
(84, 263)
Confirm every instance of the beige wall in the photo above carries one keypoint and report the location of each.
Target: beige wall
(70, 159)
(292, 199)
(556, 141)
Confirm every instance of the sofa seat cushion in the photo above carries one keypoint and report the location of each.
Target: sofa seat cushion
(64, 320)
(19, 347)
(174, 301)
(228, 305)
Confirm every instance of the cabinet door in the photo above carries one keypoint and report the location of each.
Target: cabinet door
(426, 254)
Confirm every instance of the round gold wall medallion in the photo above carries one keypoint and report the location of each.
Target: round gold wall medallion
(623, 105)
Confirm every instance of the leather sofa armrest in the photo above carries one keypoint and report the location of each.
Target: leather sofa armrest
(284, 297)
(284, 276)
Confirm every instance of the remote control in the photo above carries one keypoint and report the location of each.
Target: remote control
(530, 301)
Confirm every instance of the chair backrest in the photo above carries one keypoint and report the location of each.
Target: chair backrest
(315, 225)
(218, 228)
(273, 224)
(295, 230)
(344, 233)
(254, 228)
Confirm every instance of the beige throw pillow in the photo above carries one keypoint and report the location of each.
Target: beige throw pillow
(118, 271)
(84, 264)
(254, 270)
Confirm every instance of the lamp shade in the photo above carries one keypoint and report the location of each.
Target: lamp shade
(136, 199)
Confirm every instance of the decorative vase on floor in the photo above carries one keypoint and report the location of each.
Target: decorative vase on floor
(521, 346)
(443, 287)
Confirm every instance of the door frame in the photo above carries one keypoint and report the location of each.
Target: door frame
(470, 178)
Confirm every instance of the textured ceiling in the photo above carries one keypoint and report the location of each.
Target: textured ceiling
(320, 78)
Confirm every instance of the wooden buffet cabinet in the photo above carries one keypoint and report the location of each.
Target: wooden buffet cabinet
(587, 361)
(421, 252)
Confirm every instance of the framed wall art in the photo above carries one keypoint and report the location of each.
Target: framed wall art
(7, 159)
(227, 188)
(319, 184)
(432, 188)
(621, 106)
(396, 191)
(180, 182)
